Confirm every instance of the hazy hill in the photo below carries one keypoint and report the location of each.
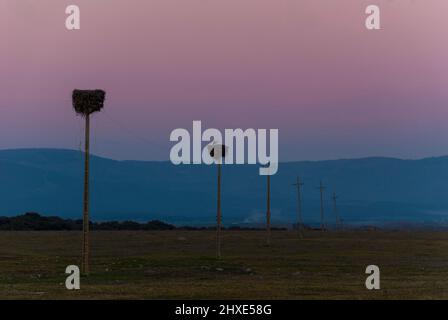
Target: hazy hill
(371, 190)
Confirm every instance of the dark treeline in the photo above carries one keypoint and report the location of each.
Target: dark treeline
(35, 222)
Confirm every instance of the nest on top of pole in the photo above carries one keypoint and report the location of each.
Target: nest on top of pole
(217, 151)
(86, 102)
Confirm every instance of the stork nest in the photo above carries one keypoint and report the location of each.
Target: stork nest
(86, 102)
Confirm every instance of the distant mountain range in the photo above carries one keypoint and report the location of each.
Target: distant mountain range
(370, 190)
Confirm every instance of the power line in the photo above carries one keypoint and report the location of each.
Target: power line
(128, 130)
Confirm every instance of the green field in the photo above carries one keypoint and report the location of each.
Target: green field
(182, 265)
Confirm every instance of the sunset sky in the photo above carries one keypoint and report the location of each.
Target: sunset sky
(307, 67)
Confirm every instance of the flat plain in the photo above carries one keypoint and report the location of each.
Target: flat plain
(182, 265)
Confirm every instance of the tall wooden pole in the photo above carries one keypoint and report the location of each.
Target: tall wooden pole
(85, 232)
(322, 188)
(218, 216)
(268, 210)
(299, 185)
(335, 209)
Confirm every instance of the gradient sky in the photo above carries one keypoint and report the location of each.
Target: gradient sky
(306, 67)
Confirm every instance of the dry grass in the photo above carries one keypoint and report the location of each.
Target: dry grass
(181, 265)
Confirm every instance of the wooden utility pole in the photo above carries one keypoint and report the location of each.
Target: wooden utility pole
(268, 210)
(218, 152)
(85, 229)
(299, 185)
(335, 210)
(85, 103)
(218, 216)
(322, 188)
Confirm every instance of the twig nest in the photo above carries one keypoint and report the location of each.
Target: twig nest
(217, 151)
(86, 102)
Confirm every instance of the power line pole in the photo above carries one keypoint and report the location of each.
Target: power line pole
(321, 188)
(268, 210)
(218, 152)
(299, 185)
(86, 220)
(218, 216)
(335, 210)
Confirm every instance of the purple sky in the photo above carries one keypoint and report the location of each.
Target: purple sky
(306, 67)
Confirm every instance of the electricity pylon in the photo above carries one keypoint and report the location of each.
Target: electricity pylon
(299, 185)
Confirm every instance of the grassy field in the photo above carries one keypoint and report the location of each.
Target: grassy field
(181, 265)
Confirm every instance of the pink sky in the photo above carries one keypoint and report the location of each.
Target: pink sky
(306, 67)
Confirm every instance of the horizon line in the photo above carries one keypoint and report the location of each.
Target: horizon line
(285, 162)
